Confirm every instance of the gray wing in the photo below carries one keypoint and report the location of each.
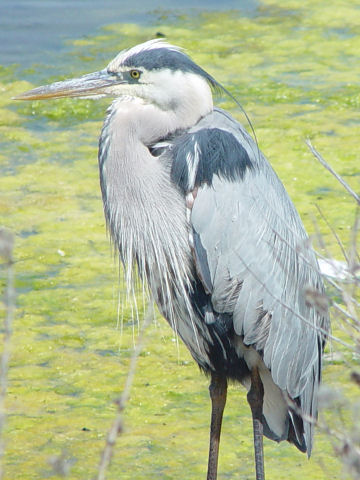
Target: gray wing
(250, 241)
(253, 249)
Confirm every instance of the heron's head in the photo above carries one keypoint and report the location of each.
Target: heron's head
(154, 72)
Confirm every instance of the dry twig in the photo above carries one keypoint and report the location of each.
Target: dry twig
(117, 426)
(344, 435)
(6, 252)
(332, 171)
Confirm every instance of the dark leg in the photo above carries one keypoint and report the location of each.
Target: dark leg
(255, 398)
(218, 389)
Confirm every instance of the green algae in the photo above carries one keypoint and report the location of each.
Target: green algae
(294, 67)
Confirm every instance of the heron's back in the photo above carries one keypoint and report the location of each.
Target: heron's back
(253, 267)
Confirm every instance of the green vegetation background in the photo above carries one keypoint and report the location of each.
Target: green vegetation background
(295, 68)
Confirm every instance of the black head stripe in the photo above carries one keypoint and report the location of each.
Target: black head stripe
(162, 58)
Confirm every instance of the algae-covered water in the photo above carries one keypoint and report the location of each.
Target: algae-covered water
(295, 68)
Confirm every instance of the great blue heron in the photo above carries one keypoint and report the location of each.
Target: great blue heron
(191, 201)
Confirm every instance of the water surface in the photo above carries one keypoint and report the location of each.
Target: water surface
(295, 68)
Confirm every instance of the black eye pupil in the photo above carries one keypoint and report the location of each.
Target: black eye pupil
(135, 73)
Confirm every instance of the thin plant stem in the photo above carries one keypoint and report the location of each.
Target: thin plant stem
(6, 252)
(332, 171)
(117, 426)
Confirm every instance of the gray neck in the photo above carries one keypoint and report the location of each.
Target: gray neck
(145, 212)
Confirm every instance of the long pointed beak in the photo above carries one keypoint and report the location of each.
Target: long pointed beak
(94, 84)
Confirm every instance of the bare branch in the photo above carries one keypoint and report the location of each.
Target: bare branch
(332, 171)
(331, 228)
(117, 426)
(344, 434)
(6, 252)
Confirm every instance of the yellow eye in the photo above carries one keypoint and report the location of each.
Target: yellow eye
(135, 74)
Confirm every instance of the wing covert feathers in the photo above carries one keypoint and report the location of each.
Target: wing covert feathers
(256, 265)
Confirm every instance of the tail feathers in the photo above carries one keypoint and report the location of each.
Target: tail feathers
(293, 431)
(269, 433)
(296, 431)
